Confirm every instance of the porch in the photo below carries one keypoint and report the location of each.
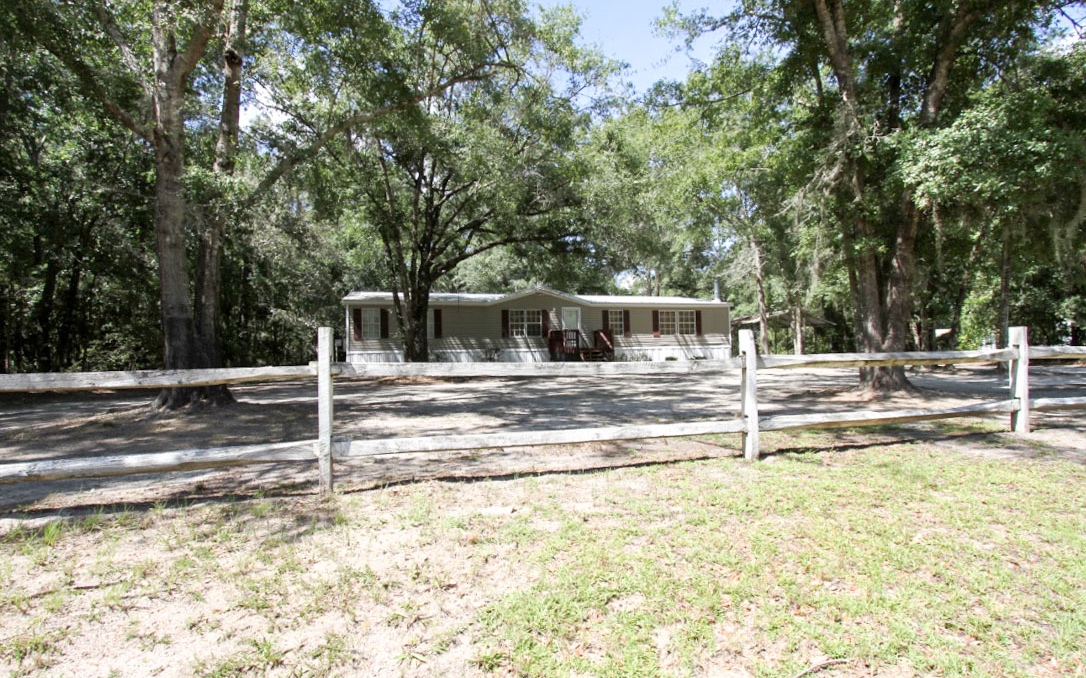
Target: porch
(570, 345)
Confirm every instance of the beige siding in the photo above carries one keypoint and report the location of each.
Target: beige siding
(390, 344)
(479, 328)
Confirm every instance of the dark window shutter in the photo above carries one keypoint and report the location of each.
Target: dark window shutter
(437, 323)
(655, 323)
(356, 323)
(606, 320)
(384, 323)
(697, 323)
(545, 322)
(626, 331)
(505, 323)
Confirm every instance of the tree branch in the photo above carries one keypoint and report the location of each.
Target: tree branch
(194, 50)
(952, 39)
(44, 27)
(835, 33)
(818, 667)
(306, 153)
(127, 55)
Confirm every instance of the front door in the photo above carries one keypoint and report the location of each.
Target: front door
(571, 329)
(571, 318)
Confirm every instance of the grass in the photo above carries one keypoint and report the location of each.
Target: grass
(258, 658)
(851, 546)
(901, 553)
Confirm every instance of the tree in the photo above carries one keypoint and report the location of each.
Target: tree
(694, 185)
(897, 69)
(479, 165)
(141, 74)
(1009, 169)
(655, 188)
(151, 75)
(74, 255)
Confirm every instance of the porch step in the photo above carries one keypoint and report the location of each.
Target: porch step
(594, 355)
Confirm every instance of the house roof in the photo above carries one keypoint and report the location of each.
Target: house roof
(602, 300)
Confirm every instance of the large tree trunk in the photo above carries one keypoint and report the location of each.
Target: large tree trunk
(411, 311)
(173, 70)
(799, 344)
(872, 321)
(899, 299)
(880, 326)
(209, 268)
(1004, 289)
(170, 234)
(177, 320)
(763, 311)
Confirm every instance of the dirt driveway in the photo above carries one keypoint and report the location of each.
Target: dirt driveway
(52, 426)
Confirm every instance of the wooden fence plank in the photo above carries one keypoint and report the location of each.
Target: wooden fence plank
(748, 393)
(1057, 352)
(136, 379)
(869, 417)
(88, 381)
(1018, 339)
(884, 359)
(384, 446)
(156, 462)
(1057, 403)
(325, 347)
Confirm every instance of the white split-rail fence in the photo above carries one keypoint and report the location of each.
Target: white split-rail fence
(326, 448)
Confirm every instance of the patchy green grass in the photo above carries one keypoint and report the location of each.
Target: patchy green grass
(955, 566)
(863, 547)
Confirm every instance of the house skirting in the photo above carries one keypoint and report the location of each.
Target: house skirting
(720, 352)
(530, 355)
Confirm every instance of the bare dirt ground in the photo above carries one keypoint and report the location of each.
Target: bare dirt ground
(53, 426)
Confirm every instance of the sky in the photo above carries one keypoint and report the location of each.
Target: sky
(623, 30)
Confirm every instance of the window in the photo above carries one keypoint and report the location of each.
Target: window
(525, 323)
(667, 322)
(370, 327)
(369, 323)
(616, 323)
(676, 322)
(687, 322)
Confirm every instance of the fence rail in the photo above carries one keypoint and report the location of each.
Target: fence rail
(326, 449)
(157, 462)
(150, 379)
(90, 381)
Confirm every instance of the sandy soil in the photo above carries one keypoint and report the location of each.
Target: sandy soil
(52, 426)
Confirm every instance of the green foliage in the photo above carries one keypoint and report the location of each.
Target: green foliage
(480, 163)
(76, 263)
(857, 145)
(465, 145)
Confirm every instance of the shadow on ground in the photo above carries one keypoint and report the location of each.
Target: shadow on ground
(53, 426)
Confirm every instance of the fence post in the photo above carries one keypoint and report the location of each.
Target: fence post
(1018, 338)
(325, 346)
(749, 394)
